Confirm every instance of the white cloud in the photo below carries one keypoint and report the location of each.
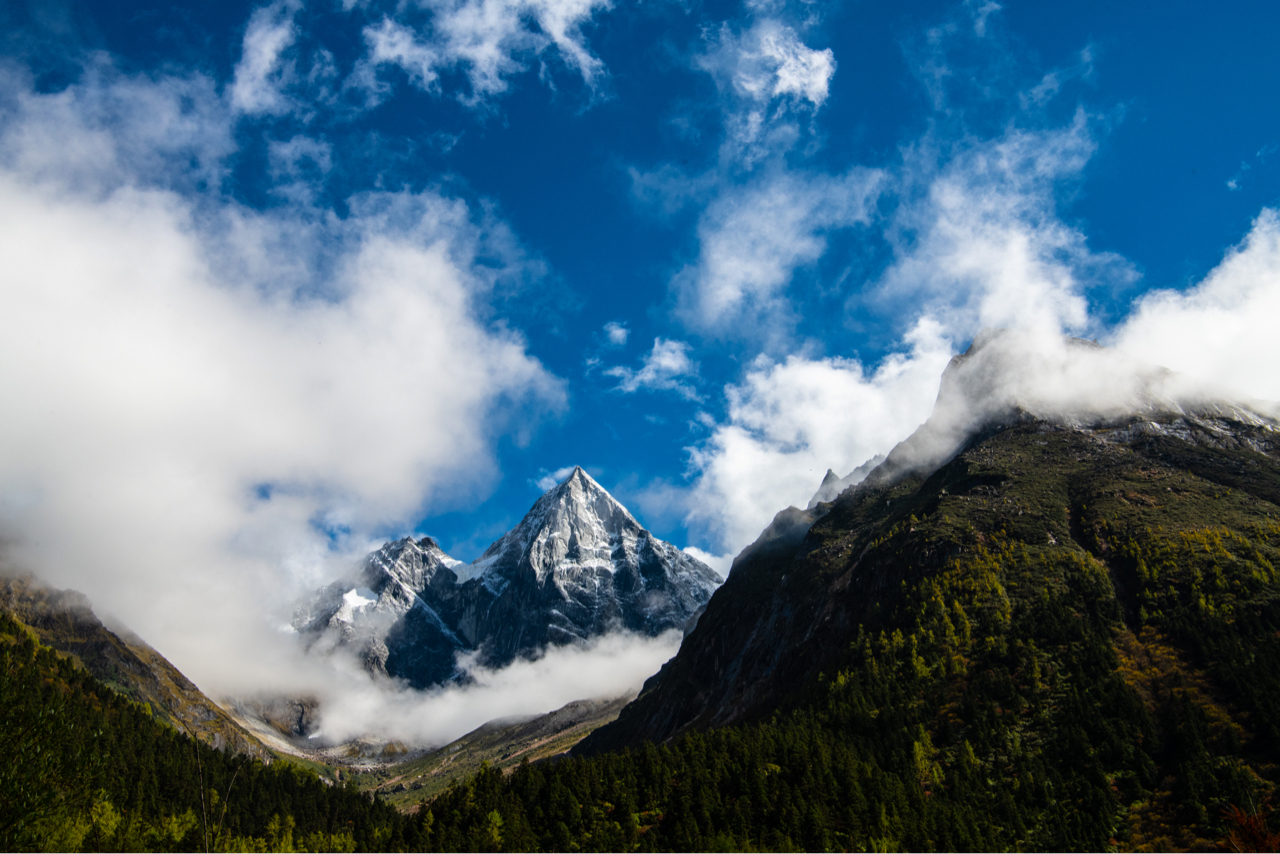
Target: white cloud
(262, 74)
(611, 666)
(789, 421)
(489, 40)
(754, 237)
(980, 14)
(617, 333)
(395, 44)
(766, 76)
(720, 563)
(763, 219)
(299, 166)
(551, 479)
(180, 131)
(667, 367)
(199, 395)
(978, 243)
(979, 240)
(1224, 328)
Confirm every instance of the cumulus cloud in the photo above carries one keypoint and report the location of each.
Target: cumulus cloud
(980, 240)
(488, 40)
(180, 130)
(1222, 329)
(667, 367)
(210, 407)
(789, 421)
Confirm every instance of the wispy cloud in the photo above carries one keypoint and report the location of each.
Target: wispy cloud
(551, 479)
(616, 333)
(489, 41)
(667, 367)
(979, 239)
(753, 238)
(1236, 181)
(262, 73)
(768, 78)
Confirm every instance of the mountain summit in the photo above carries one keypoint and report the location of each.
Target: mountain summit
(576, 567)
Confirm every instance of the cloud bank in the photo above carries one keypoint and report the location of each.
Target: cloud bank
(611, 666)
(1223, 328)
(209, 407)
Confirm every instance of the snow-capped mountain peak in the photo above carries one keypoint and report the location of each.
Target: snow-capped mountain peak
(577, 565)
(577, 521)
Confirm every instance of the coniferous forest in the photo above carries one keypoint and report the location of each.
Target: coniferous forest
(1055, 742)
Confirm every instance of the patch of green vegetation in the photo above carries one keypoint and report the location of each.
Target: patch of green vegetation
(320, 769)
(83, 768)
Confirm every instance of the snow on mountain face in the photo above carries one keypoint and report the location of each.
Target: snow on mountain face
(576, 567)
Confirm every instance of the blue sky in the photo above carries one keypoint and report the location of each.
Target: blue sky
(287, 278)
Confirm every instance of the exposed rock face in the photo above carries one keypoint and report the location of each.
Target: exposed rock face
(390, 613)
(577, 566)
(832, 485)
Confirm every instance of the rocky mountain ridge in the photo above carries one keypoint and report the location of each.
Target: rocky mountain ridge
(999, 458)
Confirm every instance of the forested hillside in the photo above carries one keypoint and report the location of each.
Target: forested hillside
(1060, 640)
(1057, 641)
(83, 768)
(65, 621)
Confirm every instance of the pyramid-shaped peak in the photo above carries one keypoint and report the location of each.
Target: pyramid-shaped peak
(577, 510)
(578, 493)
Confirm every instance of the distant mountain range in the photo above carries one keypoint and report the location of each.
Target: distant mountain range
(576, 567)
